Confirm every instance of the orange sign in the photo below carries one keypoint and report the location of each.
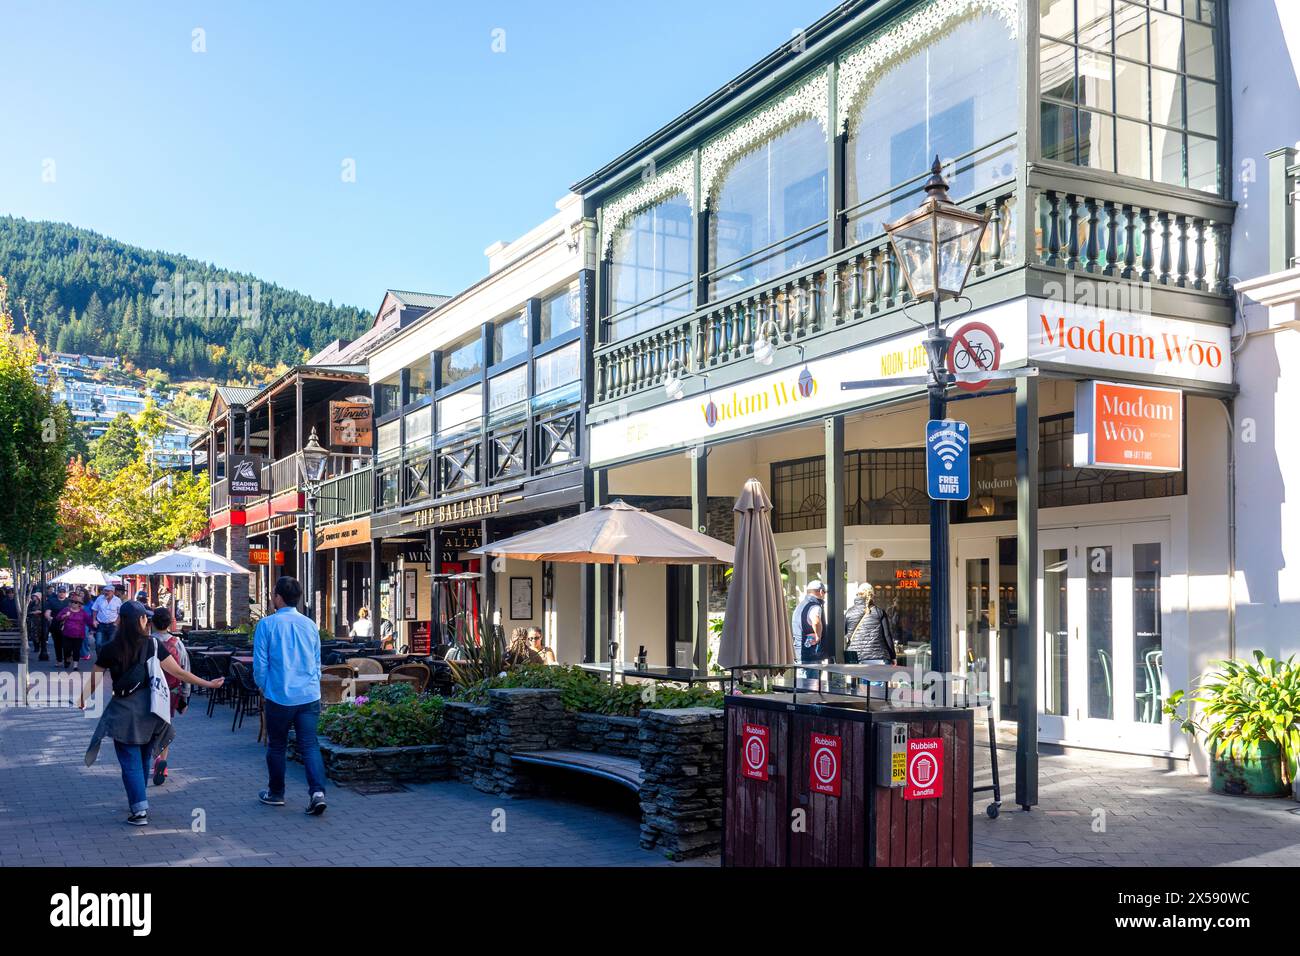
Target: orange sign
(1128, 427)
(262, 556)
(351, 423)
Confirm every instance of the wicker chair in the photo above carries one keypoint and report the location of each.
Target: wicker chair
(339, 670)
(364, 665)
(417, 670)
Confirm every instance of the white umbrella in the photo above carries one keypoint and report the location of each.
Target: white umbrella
(85, 574)
(190, 560)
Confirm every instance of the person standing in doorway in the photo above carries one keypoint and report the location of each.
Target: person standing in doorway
(105, 611)
(286, 666)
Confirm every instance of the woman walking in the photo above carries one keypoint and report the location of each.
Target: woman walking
(76, 623)
(129, 718)
(179, 691)
(871, 635)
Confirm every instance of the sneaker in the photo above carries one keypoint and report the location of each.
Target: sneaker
(140, 819)
(317, 805)
(271, 801)
(159, 772)
(76, 666)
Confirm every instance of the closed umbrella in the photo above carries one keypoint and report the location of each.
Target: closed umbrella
(756, 629)
(616, 533)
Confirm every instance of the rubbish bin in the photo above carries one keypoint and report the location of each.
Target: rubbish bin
(815, 780)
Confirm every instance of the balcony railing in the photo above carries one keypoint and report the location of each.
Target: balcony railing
(220, 499)
(346, 496)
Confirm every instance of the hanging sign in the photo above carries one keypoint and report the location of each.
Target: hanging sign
(263, 556)
(924, 769)
(1128, 427)
(246, 476)
(754, 752)
(825, 765)
(351, 423)
(974, 348)
(947, 459)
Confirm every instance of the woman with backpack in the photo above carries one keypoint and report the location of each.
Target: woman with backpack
(871, 635)
(178, 690)
(131, 717)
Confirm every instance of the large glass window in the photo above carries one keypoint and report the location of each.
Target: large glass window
(420, 382)
(768, 213)
(510, 336)
(1056, 631)
(650, 269)
(462, 359)
(507, 392)
(561, 312)
(1130, 87)
(956, 98)
(556, 377)
(419, 425)
(460, 413)
(1101, 661)
(388, 395)
(1148, 645)
(389, 438)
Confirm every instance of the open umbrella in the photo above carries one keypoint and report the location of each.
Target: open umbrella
(87, 575)
(756, 629)
(189, 560)
(617, 534)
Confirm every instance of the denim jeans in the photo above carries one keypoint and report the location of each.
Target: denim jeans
(136, 768)
(104, 633)
(303, 718)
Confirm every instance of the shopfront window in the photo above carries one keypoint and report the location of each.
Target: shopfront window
(419, 382)
(955, 98)
(1101, 659)
(650, 271)
(1056, 631)
(1148, 643)
(461, 360)
(388, 395)
(902, 589)
(1131, 88)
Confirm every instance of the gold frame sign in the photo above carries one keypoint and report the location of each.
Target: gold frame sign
(351, 423)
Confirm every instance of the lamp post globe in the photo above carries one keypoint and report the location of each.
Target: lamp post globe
(936, 245)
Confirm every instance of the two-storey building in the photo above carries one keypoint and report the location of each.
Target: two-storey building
(744, 275)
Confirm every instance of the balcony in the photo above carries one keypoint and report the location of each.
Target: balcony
(346, 496)
(1172, 243)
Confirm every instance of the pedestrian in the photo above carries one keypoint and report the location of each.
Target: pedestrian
(36, 633)
(129, 718)
(179, 690)
(363, 628)
(75, 623)
(55, 602)
(8, 606)
(286, 666)
(870, 634)
(807, 624)
(105, 611)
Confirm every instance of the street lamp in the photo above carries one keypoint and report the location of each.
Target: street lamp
(311, 463)
(936, 245)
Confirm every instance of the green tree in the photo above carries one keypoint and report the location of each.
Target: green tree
(33, 463)
(117, 447)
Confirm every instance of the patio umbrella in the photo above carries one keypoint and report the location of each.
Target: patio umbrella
(756, 629)
(188, 560)
(85, 574)
(617, 534)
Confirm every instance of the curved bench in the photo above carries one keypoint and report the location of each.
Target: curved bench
(621, 770)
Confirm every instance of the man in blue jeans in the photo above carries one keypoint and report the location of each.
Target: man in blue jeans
(286, 666)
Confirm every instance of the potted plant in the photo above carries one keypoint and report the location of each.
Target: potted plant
(1253, 731)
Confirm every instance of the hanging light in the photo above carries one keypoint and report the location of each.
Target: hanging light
(764, 351)
(936, 242)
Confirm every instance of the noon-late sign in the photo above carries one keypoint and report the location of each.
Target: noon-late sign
(754, 752)
(825, 766)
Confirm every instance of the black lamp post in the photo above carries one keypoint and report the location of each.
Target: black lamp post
(311, 462)
(936, 245)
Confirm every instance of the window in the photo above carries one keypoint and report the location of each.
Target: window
(460, 414)
(969, 110)
(768, 214)
(389, 438)
(419, 382)
(388, 395)
(561, 312)
(461, 360)
(1130, 87)
(510, 336)
(419, 425)
(507, 392)
(650, 268)
(556, 375)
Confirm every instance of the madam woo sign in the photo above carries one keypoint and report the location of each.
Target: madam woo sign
(1128, 427)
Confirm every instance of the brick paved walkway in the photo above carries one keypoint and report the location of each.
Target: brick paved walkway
(55, 811)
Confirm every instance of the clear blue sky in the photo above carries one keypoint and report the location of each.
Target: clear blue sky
(234, 156)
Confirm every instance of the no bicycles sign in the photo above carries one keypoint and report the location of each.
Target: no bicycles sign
(974, 348)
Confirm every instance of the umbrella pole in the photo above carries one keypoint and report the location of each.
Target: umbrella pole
(618, 620)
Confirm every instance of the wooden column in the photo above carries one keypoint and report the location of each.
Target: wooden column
(376, 553)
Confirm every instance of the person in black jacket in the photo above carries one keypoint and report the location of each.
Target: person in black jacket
(870, 635)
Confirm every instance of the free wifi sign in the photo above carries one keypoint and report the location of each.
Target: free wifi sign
(947, 459)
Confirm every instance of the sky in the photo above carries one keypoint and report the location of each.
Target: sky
(340, 149)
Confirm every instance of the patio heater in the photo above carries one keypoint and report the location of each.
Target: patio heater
(311, 463)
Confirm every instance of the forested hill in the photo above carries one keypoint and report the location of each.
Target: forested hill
(81, 292)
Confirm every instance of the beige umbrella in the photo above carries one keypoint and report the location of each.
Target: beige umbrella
(756, 629)
(617, 534)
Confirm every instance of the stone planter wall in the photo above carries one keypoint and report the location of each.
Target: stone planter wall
(606, 734)
(520, 719)
(421, 764)
(683, 759)
(462, 729)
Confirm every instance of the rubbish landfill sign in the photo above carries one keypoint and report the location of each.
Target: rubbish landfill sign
(753, 752)
(825, 764)
(947, 459)
(924, 769)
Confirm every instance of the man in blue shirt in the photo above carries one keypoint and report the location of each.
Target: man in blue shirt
(286, 666)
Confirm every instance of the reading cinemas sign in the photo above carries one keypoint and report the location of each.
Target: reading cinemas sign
(1128, 427)
(351, 423)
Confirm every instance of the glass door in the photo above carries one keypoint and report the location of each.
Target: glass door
(978, 653)
(1101, 650)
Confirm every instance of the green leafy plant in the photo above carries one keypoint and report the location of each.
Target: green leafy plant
(582, 691)
(1250, 702)
(379, 721)
(478, 662)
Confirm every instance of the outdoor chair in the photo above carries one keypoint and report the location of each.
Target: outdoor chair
(339, 670)
(417, 670)
(364, 665)
(248, 698)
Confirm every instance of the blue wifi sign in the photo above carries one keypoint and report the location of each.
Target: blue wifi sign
(947, 459)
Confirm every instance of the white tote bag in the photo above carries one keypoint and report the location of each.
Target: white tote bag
(160, 700)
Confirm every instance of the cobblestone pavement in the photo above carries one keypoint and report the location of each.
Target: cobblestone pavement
(56, 811)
